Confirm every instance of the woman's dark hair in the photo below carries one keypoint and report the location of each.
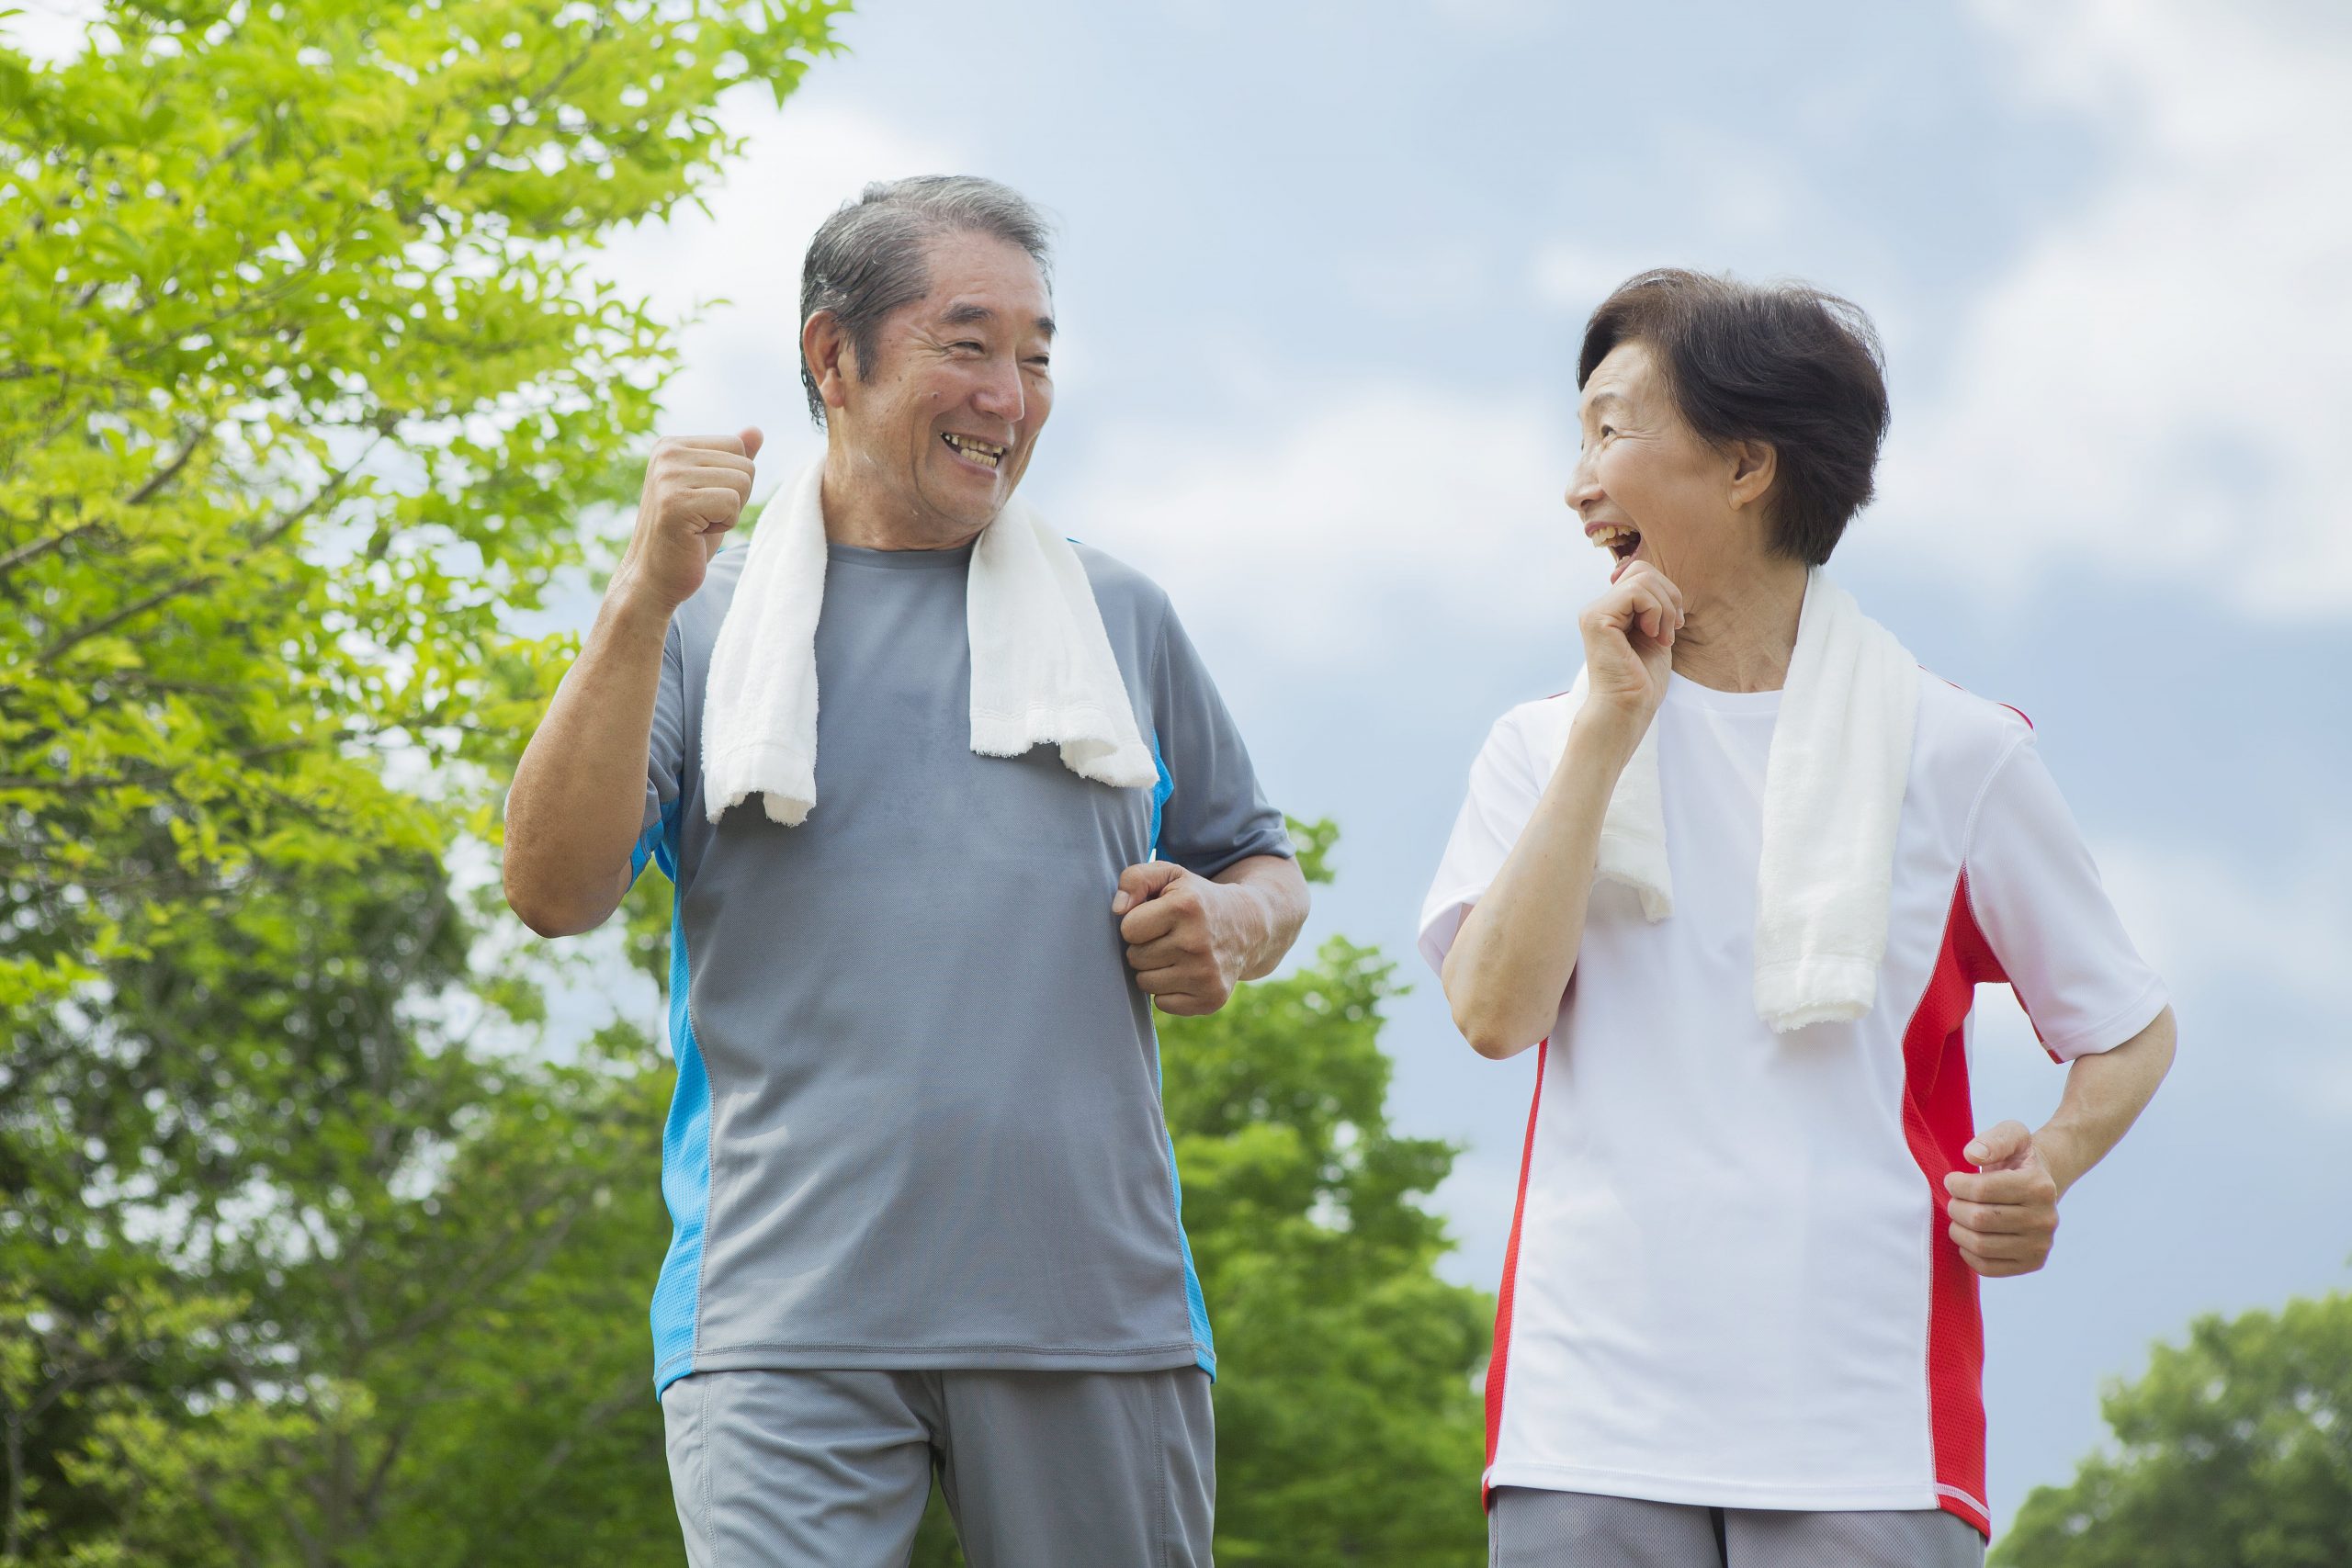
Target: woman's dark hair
(867, 259)
(1785, 364)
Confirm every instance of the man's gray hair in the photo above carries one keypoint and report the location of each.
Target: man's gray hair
(869, 258)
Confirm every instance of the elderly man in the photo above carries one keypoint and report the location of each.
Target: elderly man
(926, 1205)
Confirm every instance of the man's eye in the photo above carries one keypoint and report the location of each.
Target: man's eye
(967, 342)
(1041, 362)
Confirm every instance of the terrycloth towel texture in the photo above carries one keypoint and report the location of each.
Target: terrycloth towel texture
(1042, 667)
(1833, 795)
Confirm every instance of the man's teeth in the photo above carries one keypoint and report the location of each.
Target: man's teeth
(978, 450)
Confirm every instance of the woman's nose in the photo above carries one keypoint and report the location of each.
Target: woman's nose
(1584, 486)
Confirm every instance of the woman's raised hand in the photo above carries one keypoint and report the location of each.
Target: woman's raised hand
(1629, 641)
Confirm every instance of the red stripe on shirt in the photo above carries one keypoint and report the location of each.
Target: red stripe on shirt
(1500, 1359)
(1938, 1123)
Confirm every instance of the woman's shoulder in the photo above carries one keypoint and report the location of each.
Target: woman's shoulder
(1960, 729)
(1536, 721)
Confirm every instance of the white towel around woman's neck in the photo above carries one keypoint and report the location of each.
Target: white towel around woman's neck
(1043, 671)
(1833, 795)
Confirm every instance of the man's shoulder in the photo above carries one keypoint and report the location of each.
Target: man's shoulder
(1124, 595)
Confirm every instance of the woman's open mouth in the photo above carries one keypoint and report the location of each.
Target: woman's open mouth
(1618, 539)
(985, 454)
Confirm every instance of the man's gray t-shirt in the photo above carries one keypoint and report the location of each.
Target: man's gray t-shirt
(917, 1121)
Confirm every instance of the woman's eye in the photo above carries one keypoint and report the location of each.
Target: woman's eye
(967, 343)
(1606, 431)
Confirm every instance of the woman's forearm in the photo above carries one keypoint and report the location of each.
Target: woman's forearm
(1510, 961)
(2105, 1094)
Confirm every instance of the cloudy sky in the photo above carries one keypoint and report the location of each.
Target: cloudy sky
(1322, 270)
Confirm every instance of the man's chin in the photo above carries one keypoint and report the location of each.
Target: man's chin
(971, 508)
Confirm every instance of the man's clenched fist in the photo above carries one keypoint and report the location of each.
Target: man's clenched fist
(2003, 1219)
(1183, 944)
(694, 490)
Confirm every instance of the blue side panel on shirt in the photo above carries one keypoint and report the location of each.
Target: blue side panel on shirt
(1197, 1309)
(685, 1155)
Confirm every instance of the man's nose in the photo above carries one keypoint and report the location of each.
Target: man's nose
(998, 395)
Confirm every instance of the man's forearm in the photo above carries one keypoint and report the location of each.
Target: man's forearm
(1271, 904)
(573, 815)
(2105, 1094)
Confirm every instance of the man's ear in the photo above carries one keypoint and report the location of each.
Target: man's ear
(827, 351)
(1754, 466)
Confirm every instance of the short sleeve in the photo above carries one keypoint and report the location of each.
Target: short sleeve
(2037, 899)
(1211, 814)
(665, 755)
(1504, 788)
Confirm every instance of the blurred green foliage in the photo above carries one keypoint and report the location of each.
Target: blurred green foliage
(301, 396)
(2232, 1450)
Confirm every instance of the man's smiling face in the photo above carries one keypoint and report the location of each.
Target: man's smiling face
(945, 418)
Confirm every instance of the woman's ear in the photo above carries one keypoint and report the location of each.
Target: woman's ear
(1754, 466)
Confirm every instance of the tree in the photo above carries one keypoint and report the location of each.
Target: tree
(2232, 1450)
(302, 395)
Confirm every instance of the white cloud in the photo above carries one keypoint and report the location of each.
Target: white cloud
(1416, 278)
(1572, 276)
(740, 363)
(2207, 920)
(2253, 956)
(1390, 510)
(2157, 386)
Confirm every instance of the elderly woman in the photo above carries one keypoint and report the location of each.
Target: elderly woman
(1740, 883)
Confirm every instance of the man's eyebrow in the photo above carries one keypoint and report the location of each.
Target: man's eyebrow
(971, 315)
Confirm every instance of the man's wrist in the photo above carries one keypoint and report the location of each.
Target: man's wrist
(1250, 914)
(631, 608)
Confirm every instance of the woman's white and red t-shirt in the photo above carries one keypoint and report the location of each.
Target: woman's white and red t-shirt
(1728, 1279)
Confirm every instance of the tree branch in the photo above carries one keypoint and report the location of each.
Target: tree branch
(170, 591)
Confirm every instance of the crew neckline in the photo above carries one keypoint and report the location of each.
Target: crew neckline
(1683, 692)
(899, 560)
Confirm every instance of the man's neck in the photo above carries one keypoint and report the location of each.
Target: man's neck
(861, 510)
(1742, 639)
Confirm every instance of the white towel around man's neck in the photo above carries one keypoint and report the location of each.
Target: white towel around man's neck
(1833, 795)
(1042, 668)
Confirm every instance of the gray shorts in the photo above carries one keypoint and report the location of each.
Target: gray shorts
(1528, 1528)
(1094, 1470)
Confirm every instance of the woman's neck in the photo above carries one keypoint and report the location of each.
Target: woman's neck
(1741, 638)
